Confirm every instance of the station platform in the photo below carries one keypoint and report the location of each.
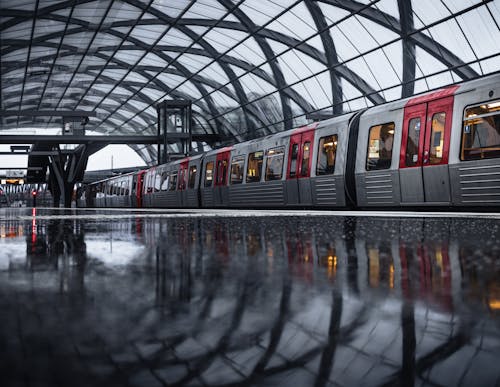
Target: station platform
(112, 297)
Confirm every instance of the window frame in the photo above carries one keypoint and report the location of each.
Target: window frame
(277, 152)
(236, 160)
(382, 166)
(335, 139)
(255, 178)
(192, 176)
(482, 155)
(205, 180)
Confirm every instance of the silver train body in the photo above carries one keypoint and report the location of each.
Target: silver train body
(440, 149)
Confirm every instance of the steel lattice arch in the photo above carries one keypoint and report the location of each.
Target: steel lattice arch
(250, 67)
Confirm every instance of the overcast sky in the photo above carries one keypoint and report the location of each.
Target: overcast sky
(123, 157)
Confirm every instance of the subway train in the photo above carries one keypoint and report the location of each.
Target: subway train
(440, 150)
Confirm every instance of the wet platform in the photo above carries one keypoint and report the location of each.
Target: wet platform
(253, 298)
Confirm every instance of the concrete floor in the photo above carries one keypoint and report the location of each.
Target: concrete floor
(160, 298)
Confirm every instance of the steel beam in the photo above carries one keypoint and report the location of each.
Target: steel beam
(47, 113)
(331, 54)
(409, 55)
(58, 139)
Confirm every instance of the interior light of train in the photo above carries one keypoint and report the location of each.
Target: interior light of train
(494, 105)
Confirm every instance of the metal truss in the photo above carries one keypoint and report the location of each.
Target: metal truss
(209, 112)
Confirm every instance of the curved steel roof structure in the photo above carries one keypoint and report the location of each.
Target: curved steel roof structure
(251, 67)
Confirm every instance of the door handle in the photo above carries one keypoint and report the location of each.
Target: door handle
(426, 157)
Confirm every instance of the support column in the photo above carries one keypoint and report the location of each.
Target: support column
(66, 170)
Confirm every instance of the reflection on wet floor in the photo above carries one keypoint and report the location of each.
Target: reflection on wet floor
(292, 301)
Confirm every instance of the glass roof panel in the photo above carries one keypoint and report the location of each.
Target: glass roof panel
(25, 5)
(176, 38)
(222, 39)
(91, 12)
(206, 9)
(255, 86)
(222, 100)
(277, 47)
(450, 36)
(121, 11)
(428, 11)
(429, 65)
(332, 13)
(215, 72)
(194, 63)
(481, 34)
(172, 8)
(151, 59)
(248, 51)
(261, 11)
(46, 27)
(389, 7)
(382, 67)
(490, 65)
(135, 77)
(131, 57)
(296, 22)
(20, 30)
(148, 33)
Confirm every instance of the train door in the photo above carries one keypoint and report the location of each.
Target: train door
(139, 187)
(424, 176)
(221, 169)
(298, 185)
(181, 184)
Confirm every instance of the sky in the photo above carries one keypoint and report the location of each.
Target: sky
(123, 156)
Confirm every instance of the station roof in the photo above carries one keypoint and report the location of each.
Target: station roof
(250, 67)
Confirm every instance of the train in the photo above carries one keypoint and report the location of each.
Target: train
(438, 149)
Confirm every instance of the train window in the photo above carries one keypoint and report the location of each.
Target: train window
(306, 151)
(380, 141)
(157, 181)
(254, 168)
(412, 142)
(172, 182)
(147, 184)
(274, 164)
(164, 181)
(237, 165)
(481, 132)
(192, 176)
(437, 138)
(293, 160)
(209, 174)
(327, 151)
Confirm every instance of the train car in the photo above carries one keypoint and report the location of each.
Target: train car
(214, 190)
(257, 172)
(173, 185)
(438, 149)
(119, 191)
(474, 156)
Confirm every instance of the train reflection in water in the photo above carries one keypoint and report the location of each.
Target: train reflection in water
(257, 301)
